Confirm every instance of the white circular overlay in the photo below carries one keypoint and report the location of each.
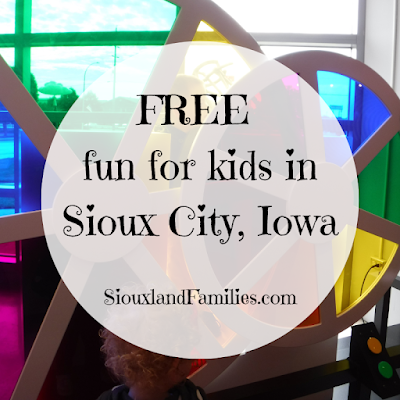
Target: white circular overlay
(202, 205)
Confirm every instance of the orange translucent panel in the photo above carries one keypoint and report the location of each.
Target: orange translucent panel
(313, 319)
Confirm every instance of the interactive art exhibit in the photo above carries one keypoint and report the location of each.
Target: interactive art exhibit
(199, 200)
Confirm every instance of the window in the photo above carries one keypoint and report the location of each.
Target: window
(102, 16)
(286, 26)
(8, 55)
(71, 45)
(294, 16)
(74, 43)
(277, 51)
(7, 16)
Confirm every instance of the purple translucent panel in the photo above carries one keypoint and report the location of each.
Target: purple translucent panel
(359, 111)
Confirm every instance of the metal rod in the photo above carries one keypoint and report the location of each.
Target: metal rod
(382, 314)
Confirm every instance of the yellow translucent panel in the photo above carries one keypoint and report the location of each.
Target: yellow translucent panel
(209, 59)
(367, 262)
(206, 33)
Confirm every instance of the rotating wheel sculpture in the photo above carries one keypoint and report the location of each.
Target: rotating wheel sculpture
(331, 318)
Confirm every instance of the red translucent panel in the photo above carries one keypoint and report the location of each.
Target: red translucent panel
(196, 365)
(312, 319)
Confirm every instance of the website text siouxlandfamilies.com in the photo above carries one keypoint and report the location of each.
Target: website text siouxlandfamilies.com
(192, 296)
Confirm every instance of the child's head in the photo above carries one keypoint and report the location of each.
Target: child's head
(141, 368)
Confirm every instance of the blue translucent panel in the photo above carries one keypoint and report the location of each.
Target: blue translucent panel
(9, 163)
(21, 168)
(359, 111)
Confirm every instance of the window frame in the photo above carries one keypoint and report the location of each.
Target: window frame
(23, 39)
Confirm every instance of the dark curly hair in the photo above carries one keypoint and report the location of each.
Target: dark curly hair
(132, 364)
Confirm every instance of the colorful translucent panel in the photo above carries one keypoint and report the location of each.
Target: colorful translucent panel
(9, 251)
(379, 183)
(313, 319)
(7, 205)
(213, 64)
(78, 67)
(7, 16)
(11, 314)
(219, 67)
(21, 167)
(206, 33)
(306, 16)
(359, 111)
(10, 155)
(196, 365)
(360, 272)
(101, 15)
(23, 304)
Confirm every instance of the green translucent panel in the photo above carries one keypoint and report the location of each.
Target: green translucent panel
(7, 16)
(102, 15)
(379, 183)
(393, 186)
(78, 67)
(8, 55)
